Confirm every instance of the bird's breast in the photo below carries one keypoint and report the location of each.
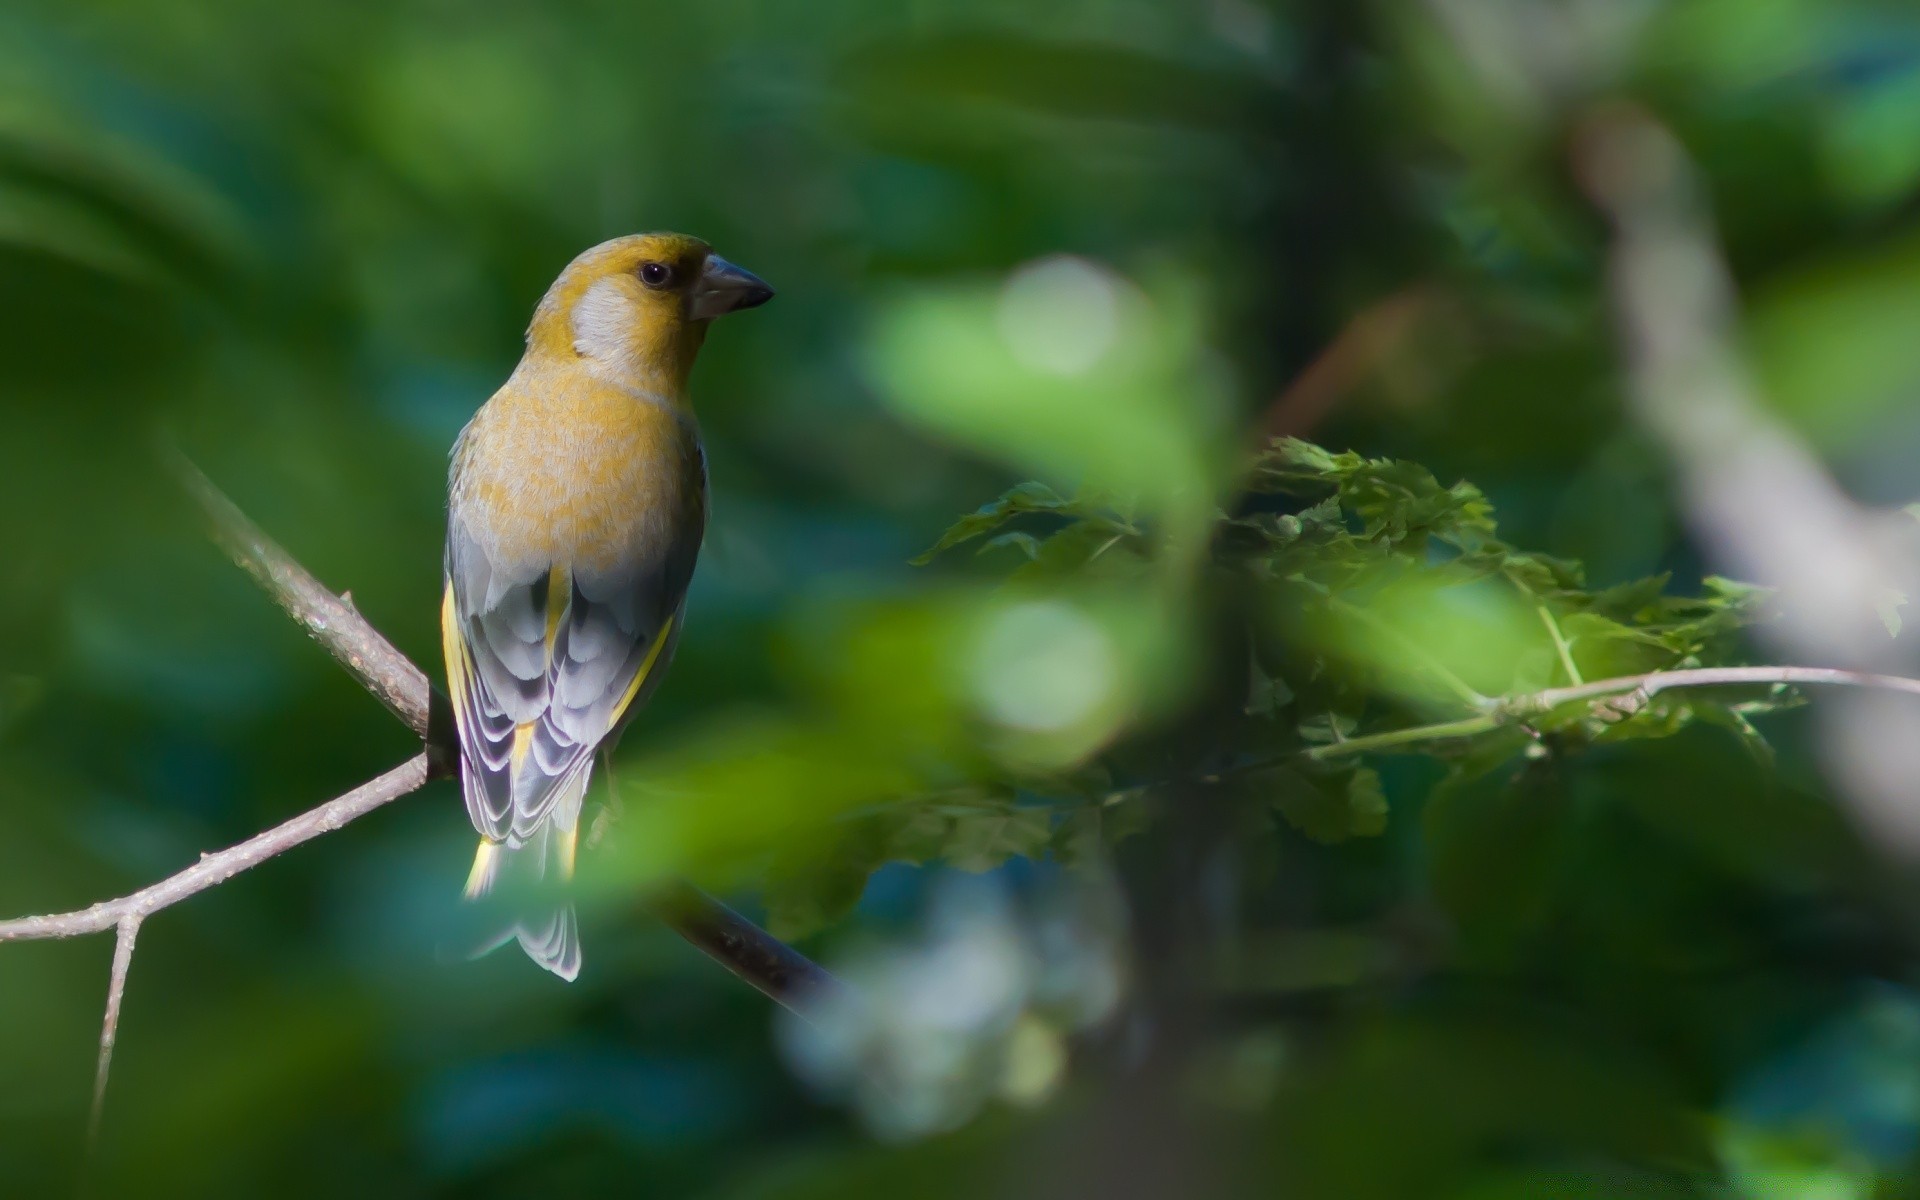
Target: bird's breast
(578, 472)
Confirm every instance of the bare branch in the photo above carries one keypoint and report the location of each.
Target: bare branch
(1504, 710)
(1660, 681)
(129, 929)
(215, 869)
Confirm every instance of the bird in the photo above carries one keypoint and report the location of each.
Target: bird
(576, 505)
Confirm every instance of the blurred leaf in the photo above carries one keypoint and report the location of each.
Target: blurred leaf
(1327, 806)
(985, 837)
(1016, 501)
(1498, 844)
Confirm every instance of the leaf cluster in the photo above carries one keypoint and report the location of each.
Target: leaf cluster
(1377, 603)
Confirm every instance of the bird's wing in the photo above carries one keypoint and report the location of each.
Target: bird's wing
(543, 669)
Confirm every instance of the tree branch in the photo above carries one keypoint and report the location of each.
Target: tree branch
(215, 869)
(1508, 710)
(1758, 498)
(749, 952)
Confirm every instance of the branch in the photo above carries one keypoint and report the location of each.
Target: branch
(749, 952)
(779, 971)
(1762, 504)
(1508, 710)
(125, 914)
(215, 869)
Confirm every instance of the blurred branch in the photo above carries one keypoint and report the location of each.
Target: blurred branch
(777, 970)
(1373, 334)
(762, 960)
(1758, 498)
(1508, 710)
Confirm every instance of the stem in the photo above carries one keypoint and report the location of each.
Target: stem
(1466, 727)
(1509, 709)
(1560, 644)
(1661, 681)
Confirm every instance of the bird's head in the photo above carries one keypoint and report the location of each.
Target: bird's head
(636, 309)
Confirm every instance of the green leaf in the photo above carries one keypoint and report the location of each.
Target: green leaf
(1327, 807)
(1094, 546)
(1325, 728)
(1626, 601)
(1266, 694)
(919, 834)
(817, 882)
(1366, 803)
(1734, 721)
(983, 839)
(1498, 843)
(1024, 498)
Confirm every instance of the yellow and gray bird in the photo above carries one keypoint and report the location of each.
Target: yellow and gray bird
(576, 506)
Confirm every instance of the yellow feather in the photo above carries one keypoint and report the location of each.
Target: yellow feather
(646, 668)
(569, 844)
(482, 864)
(454, 647)
(522, 743)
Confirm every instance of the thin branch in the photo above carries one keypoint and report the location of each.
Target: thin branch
(1661, 681)
(215, 869)
(1412, 735)
(1507, 710)
(1360, 347)
(1560, 644)
(128, 930)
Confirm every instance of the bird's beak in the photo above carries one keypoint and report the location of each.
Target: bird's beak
(725, 288)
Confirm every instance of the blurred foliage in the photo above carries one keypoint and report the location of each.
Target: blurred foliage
(1181, 823)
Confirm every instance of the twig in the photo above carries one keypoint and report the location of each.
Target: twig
(126, 913)
(1692, 677)
(1358, 348)
(1560, 644)
(1413, 734)
(129, 929)
(1507, 710)
(215, 869)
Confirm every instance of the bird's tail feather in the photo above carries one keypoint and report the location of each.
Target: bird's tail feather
(522, 880)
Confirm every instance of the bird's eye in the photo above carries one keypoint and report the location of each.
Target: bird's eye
(656, 275)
